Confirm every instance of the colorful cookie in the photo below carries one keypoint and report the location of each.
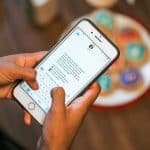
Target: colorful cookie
(136, 54)
(131, 79)
(106, 82)
(127, 35)
(104, 18)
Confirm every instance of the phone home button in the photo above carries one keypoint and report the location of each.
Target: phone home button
(31, 106)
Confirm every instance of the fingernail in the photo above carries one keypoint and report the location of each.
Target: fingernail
(36, 86)
(27, 120)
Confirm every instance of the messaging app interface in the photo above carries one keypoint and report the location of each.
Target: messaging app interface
(72, 66)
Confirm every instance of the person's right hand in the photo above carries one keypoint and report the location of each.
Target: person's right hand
(62, 123)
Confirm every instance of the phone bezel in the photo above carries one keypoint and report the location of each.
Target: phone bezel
(38, 112)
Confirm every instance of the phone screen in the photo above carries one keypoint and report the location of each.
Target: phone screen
(73, 63)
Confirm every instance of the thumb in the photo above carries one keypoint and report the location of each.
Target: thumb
(58, 101)
(82, 104)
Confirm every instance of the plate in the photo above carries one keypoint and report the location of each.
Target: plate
(121, 97)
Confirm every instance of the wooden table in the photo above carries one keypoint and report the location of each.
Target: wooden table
(125, 129)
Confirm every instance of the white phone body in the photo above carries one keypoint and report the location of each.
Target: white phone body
(74, 63)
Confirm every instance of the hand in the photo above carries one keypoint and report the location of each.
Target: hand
(62, 123)
(18, 67)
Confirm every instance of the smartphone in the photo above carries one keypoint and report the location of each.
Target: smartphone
(73, 63)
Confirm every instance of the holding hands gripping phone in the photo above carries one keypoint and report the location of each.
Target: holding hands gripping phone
(74, 63)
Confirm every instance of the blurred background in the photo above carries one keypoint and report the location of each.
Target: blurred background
(35, 25)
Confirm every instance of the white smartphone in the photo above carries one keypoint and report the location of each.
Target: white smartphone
(74, 63)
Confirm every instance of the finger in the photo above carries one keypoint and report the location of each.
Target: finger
(58, 100)
(31, 59)
(24, 73)
(82, 104)
(33, 85)
(90, 95)
(6, 90)
(27, 118)
(25, 59)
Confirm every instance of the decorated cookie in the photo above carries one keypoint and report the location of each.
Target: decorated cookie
(127, 35)
(106, 82)
(131, 79)
(104, 18)
(136, 54)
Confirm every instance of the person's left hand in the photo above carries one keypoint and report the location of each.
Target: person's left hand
(18, 67)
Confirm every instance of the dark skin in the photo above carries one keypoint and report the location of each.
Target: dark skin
(62, 122)
(18, 67)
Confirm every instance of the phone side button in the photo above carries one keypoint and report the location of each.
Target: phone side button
(31, 106)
